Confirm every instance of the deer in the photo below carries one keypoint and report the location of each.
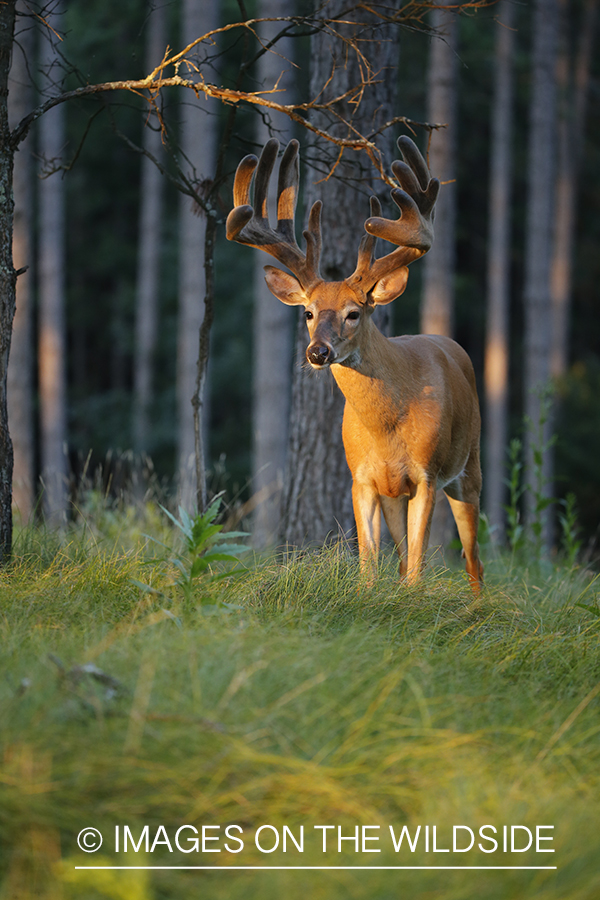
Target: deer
(411, 422)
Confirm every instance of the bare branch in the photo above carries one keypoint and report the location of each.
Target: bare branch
(149, 87)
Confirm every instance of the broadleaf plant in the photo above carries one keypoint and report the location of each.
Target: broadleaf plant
(205, 545)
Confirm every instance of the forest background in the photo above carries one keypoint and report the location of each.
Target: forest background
(138, 684)
(96, 265)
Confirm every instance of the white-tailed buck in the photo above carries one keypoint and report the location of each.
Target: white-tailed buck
(411, 420)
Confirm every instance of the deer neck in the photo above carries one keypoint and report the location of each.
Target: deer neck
(375, 380)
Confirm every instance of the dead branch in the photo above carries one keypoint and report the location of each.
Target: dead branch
(149, 88)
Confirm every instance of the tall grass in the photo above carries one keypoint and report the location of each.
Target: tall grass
(310, 698)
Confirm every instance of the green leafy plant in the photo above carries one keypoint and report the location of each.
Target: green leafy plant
(540, 447)
(571, 543)
(514, 528)
(532, 537)
(205, 546)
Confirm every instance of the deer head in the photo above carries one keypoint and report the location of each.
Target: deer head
(335, 311)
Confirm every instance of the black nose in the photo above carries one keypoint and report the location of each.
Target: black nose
(318, 354)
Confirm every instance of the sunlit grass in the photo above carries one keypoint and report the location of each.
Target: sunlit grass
(312, 698)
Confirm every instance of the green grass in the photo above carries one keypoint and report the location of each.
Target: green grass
(312, 698)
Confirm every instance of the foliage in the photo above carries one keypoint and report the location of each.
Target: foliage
(517, 536)
(578, 441)
(540, 445)
(568, 521)
(205, 546)
(514, 528)
(318, 700)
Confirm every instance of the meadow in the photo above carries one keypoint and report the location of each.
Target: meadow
(287, 697)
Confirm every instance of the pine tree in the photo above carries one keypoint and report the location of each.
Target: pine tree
(317, 490)
(272, 320)
(498, 272)
(51, 290)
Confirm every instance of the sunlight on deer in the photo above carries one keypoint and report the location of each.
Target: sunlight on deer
(411, 420)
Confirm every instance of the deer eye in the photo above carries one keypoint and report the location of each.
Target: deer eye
(353, 315)
(308, 315)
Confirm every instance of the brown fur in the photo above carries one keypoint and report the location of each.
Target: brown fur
(411, 421)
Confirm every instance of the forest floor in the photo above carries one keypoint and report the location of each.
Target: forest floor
(293, 703)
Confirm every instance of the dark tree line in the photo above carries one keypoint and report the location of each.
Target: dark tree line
(351, 80)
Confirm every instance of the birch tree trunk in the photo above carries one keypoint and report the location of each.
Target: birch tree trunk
(7, 276)
(149, 247)
(317, 492)
(20, 368)
(541, 214)
(273, 321)
(573, 86)
(198, 142)
(498, 273)
(51, 292)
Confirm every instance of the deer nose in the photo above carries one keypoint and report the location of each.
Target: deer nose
(319, 354)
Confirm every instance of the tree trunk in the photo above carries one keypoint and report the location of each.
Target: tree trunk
(273, 321)
(317, 491)
(20, 369)
(149, 248)
(437, 310)
(51, 337)
(7, 276)
(573, 85)
(198, 141)
(437, 307)
(498, 274)
(538, 243)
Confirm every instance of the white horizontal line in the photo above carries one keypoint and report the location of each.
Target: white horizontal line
(319, 868)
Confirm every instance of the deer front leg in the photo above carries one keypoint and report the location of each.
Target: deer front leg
(367, 513)
(420, 511)
(395, 510)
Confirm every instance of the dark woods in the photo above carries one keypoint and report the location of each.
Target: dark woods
(119, 211)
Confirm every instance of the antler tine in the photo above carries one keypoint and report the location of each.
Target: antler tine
(312, 236)
(261, 182)
(287, 192)
(251, 226)
(413, 231)
(413, 157)
(245, 224)
(243, 180)
(242, 212)
(366, 248)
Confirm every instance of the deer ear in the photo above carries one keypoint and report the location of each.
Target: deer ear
(389, 287)
(285, 287)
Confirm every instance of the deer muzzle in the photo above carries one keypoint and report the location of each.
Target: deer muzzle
(320, 354)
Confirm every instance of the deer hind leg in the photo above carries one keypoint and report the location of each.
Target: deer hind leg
(463, 497)
(395, 512)
(367, 513)
(420, 512)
